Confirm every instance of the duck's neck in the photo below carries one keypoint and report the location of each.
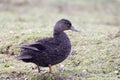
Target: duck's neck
(60, 36)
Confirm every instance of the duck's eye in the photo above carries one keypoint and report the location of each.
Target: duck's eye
(68, 25)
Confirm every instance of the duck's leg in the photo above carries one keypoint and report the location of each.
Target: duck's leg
(38, 68)
(50, 68)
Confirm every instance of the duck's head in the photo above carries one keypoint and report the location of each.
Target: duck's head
(63, 25)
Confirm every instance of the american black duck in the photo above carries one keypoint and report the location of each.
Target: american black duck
(49, 51)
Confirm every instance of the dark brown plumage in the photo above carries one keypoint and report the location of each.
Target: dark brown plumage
(49, 51)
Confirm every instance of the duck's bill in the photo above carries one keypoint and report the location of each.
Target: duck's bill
(73, 29)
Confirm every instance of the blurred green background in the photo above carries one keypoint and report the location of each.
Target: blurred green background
(95, 51)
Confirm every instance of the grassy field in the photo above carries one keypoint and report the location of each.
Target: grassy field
(95, 51)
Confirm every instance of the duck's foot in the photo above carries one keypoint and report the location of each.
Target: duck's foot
(38, 68)
(50, 70)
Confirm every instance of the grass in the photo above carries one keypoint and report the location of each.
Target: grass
(95, 51)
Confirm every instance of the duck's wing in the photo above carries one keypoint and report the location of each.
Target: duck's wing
(33, 46)
(48, 42)
(41, 45)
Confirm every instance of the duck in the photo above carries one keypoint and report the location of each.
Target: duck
(49, 51)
